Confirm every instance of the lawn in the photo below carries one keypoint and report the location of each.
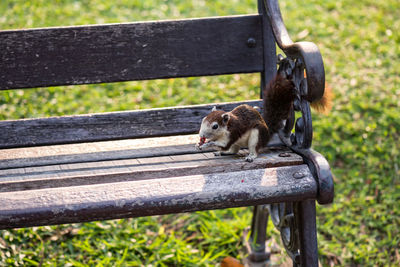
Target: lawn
(360, 44)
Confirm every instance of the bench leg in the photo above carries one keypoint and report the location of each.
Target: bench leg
(306, 222)
(296, 222)
(255, 245)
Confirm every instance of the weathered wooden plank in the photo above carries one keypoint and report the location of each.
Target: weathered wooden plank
(97, 151)
(269, 47)
(130, 51)
(155, 160)
(137, 169)
(155, 197)
(108, 126)
(116, 151)
(189, 157)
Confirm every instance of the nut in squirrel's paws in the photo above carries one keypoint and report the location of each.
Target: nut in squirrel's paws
(201, 147)
(201, 143)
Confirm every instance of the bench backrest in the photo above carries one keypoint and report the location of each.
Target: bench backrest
(132, 51)
(126, 52)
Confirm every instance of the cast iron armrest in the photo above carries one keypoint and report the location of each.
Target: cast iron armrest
(308, 52)
(302, 56)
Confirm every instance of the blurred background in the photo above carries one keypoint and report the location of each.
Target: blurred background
(360, 45)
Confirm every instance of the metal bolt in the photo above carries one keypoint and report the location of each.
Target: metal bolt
(251, 42)
(284, 155)
(297, 258)
(299, 175)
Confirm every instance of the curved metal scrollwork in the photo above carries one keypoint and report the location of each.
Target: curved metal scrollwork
(283, 217)
(294, 70)
(301, 57)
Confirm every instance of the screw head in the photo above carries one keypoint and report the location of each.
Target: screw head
(284, 155)
(251, 42)
(298, 175)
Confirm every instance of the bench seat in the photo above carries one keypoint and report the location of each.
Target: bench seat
(80, 168)
(140, 177)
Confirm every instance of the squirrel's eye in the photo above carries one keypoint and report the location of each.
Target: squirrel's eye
(215, 126)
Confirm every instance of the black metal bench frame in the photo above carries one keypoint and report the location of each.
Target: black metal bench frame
(154, 50)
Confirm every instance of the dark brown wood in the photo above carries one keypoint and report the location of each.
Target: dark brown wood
(102, 151)
(97, 151)
(107, 126)
(269, 48)
(154, 197)
(62, 175)
(131, 51)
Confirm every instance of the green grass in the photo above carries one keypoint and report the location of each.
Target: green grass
(359, 42)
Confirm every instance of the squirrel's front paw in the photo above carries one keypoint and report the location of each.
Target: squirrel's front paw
(201, 146)
(250, 158)
(217, 153)
(207, 144)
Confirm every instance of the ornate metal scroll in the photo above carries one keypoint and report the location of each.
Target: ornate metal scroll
(288, 217)
(294, 69)
(283, 217)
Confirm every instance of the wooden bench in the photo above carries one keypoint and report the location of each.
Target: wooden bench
(139, 163)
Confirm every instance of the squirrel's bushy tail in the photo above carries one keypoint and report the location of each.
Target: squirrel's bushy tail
(278, 98)
(324, 105)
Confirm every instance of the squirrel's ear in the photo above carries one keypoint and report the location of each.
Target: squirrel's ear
(225, 118)
(214, 108)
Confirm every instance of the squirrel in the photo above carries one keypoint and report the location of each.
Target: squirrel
(245, 127)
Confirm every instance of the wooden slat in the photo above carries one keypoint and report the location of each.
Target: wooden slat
(130, 51)
(155, 197)
(103, 151)
(137, 169)
(269, 47)
(97, 151)
(108, 126)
